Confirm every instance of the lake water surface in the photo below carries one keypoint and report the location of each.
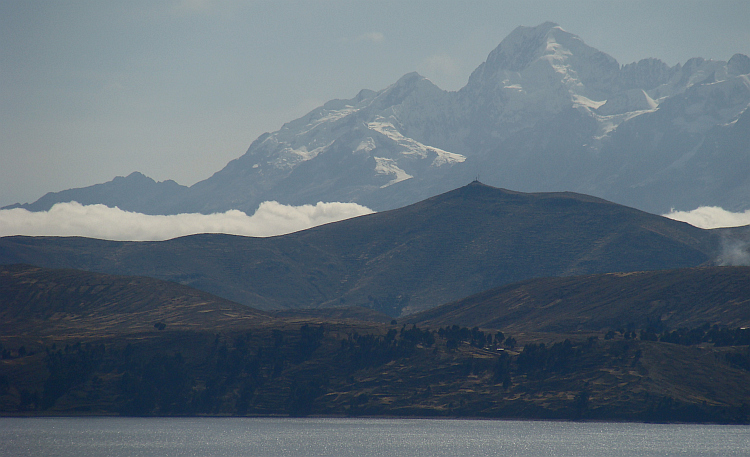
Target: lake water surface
(162, 437)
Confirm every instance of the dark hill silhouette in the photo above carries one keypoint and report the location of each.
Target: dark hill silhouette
(399, 261)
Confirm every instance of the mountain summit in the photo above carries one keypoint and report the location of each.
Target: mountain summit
(547, 54)
(544, 112)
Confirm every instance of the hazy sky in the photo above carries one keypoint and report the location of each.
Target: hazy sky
(176, 89)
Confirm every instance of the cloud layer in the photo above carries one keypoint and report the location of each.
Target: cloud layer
(100, 221)
(708, 217)
(271, 218)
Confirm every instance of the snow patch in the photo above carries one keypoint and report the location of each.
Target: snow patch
(367, 145)
(445, 157)
(328, 117)
(386, 166)
(302, 155)
(413, 147)
(580, 100)
(628, 101)
(607, 124)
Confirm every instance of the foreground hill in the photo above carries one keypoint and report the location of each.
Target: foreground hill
(661, 299)
(77, 343)
(80, 304)
(400, 261)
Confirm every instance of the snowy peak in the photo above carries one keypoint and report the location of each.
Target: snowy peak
(408, 86)
(534, 91)
(521, 47)
(409, 81)
(544, 53)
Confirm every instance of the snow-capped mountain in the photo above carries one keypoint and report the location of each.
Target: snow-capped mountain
(545, 112)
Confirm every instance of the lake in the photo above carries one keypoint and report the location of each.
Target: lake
(116, 437)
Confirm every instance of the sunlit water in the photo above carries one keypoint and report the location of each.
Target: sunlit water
(117, 437)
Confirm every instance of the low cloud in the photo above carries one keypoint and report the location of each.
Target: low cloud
(734, 252)
(100, 221)
(735, 247)
(708, 217)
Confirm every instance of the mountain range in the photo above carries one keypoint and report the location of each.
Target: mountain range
(452, 300)
(405, 260)
(544, 112)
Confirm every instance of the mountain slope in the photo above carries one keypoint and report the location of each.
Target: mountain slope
(79, 304)
(77, 343)
(400, 261)
(545, 112)
(670, 299)
(134, 192)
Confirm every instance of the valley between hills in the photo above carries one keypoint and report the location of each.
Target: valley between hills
(480, 302)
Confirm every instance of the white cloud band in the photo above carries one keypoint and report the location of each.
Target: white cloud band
(100, 221)
(709, 217)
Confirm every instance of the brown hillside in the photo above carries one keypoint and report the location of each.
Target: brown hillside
(79, 304)
(75, 343)
(676, 298)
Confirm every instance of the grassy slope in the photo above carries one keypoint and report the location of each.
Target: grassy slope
(676, 298)
(68, 304)
(90, 348)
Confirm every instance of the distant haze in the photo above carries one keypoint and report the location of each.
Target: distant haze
(176, 89)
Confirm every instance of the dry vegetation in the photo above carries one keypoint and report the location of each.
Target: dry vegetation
(82, 343)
